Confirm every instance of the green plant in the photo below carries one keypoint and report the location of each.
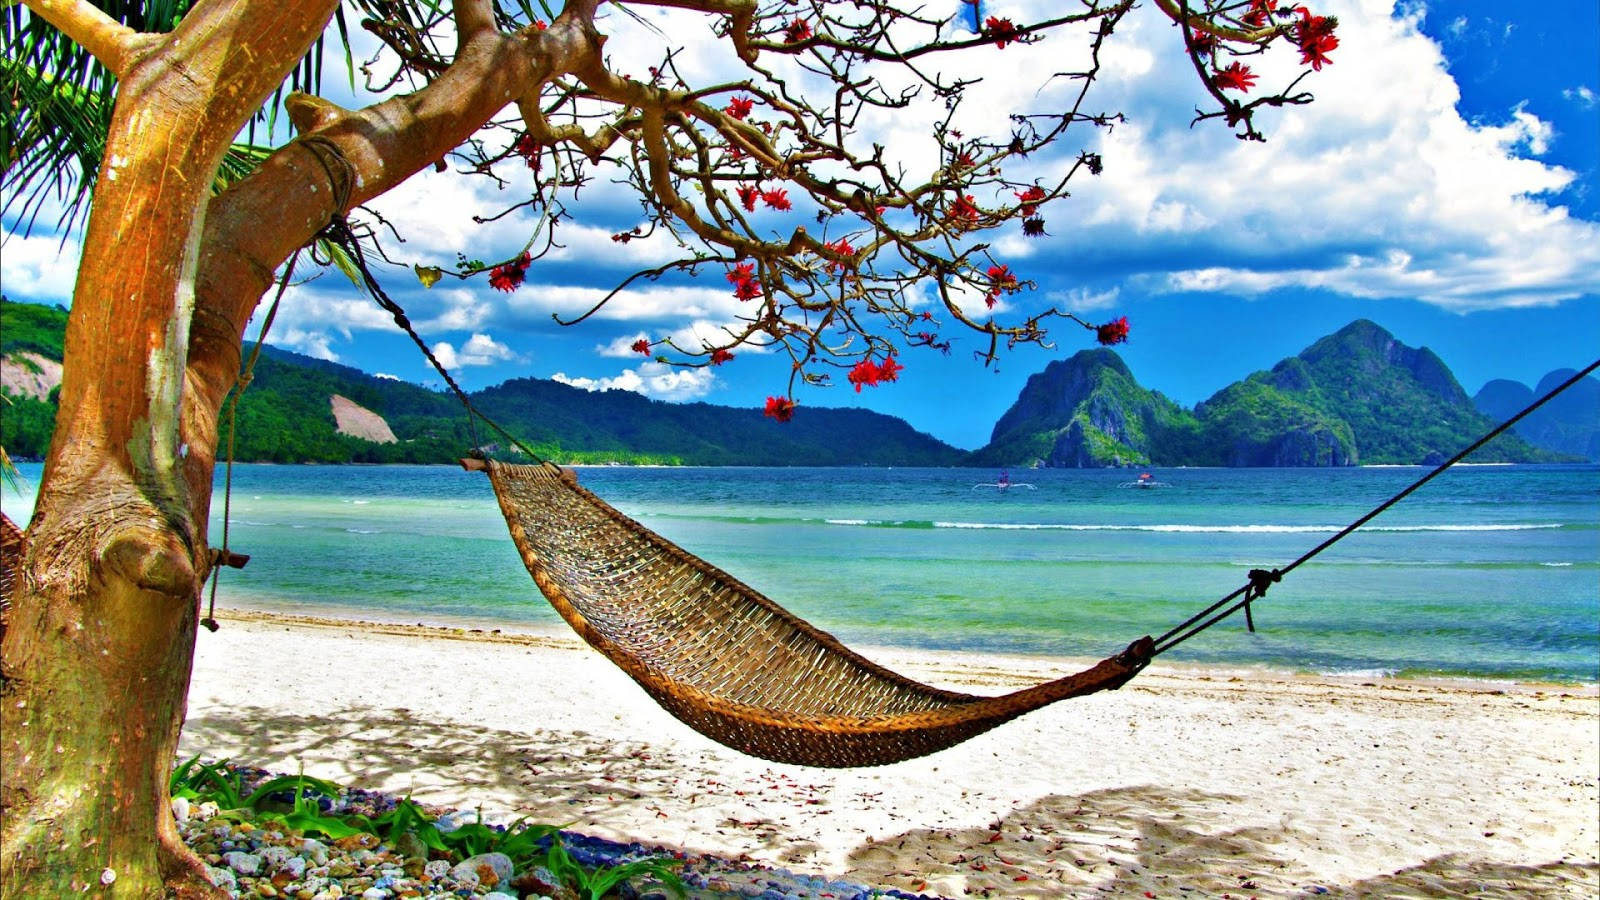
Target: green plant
(597, 883)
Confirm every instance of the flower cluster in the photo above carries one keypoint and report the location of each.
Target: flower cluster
(1315, 36)
(841, 247)
(743, 279)
(527, 148)
(870, 374)
(1030, 200)
(739, 107)
(1001, 281)
(776, 198)
(509, 276)
(796, 32)
(720, 356)
(1260, 11)
(1112, 332)
(642, 345)
(964, 212)
(780, 408)
(1236, 77)
(1001, 31)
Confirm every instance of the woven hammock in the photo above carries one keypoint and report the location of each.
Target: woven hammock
(725, 660)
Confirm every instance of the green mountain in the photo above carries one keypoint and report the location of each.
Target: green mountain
(1568, 424)
(1088, 411)
(1355, 396)
(288, 415)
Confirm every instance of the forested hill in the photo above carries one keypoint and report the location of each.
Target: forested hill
(1355, 396)
(288, 415)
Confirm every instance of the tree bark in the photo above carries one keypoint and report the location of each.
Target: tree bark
(97, 654)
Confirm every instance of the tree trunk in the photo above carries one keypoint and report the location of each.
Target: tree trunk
(97, 653)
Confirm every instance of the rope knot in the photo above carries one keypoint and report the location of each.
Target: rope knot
(1260, 580)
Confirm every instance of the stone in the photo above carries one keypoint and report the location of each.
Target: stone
(180, 809)
(486, 869)
(222, 878)
(241, 862)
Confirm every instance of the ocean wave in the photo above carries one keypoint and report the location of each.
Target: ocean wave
(1227, 529)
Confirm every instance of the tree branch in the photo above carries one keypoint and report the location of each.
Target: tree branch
(111, 42)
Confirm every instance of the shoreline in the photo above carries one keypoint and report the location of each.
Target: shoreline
(1264, 784)
(557, 634)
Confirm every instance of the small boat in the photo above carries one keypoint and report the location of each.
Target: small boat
(1004, 483)
(1145, 480)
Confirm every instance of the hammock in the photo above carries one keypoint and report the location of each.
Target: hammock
(725, 660)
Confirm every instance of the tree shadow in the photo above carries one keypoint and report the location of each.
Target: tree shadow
(1167, 842)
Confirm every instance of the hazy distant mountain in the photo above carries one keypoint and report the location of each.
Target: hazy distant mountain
(1569, 423)
(1355, 396)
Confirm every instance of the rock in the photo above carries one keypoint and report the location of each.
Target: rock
(357, 421)
(409, 845)
(436, 869)
(314, 850)
(485, 870)
(241, 862)
(180, 809)
(222, 878)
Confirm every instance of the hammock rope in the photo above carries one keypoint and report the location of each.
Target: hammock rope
(742, 670)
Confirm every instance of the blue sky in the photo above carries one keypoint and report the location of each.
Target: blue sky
(1446, 184)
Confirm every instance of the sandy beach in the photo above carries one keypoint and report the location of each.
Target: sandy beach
(1183, 783)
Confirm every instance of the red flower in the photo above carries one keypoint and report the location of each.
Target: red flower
(1259, 11)
(963, 160)
(748, 194)
(720, 356)
(739, 107)
(1315, 36)
(527, 148)
(927, 316)
(1113, 332)
(1236, 78)
(1001, 280)
(539, 25)
(1030, 200)
(964, 212)
(741, 272)
(843, 248)
(778, 199)
(642, 345)
(797, 31)
(780, 408)
(869, 374)
(1203, 43)
(509, 276)
(747, 290)
(999, 30)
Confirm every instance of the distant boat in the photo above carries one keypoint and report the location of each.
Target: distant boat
(1004, 483)
(1145, 480)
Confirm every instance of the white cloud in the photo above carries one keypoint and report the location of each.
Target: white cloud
(1082, 300)
(479, 350)
(1583, 95)
(40, 267)
(1432, 207)
(651, 379)
(621, 347)
(537, 302)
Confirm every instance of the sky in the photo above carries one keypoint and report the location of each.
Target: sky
(1445, 184)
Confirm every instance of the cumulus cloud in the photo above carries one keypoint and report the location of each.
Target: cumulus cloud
(1082, 300)
(40, 267)
(479, 350)
(1370, 191)
(651, 379)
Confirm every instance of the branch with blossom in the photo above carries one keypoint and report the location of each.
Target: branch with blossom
(837, 254)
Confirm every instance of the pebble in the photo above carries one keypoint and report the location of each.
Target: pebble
(248, 860)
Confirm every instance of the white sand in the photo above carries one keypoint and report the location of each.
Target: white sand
(1249, 784)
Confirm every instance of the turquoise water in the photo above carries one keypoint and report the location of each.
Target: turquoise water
(1489, 571)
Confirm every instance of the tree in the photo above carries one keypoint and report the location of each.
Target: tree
(179, 249)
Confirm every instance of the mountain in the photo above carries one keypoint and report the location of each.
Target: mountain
(1087, 411)
(1355, 396)
(1568, 424)
(300, 409)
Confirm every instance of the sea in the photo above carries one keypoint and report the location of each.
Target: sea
(1488, 572)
